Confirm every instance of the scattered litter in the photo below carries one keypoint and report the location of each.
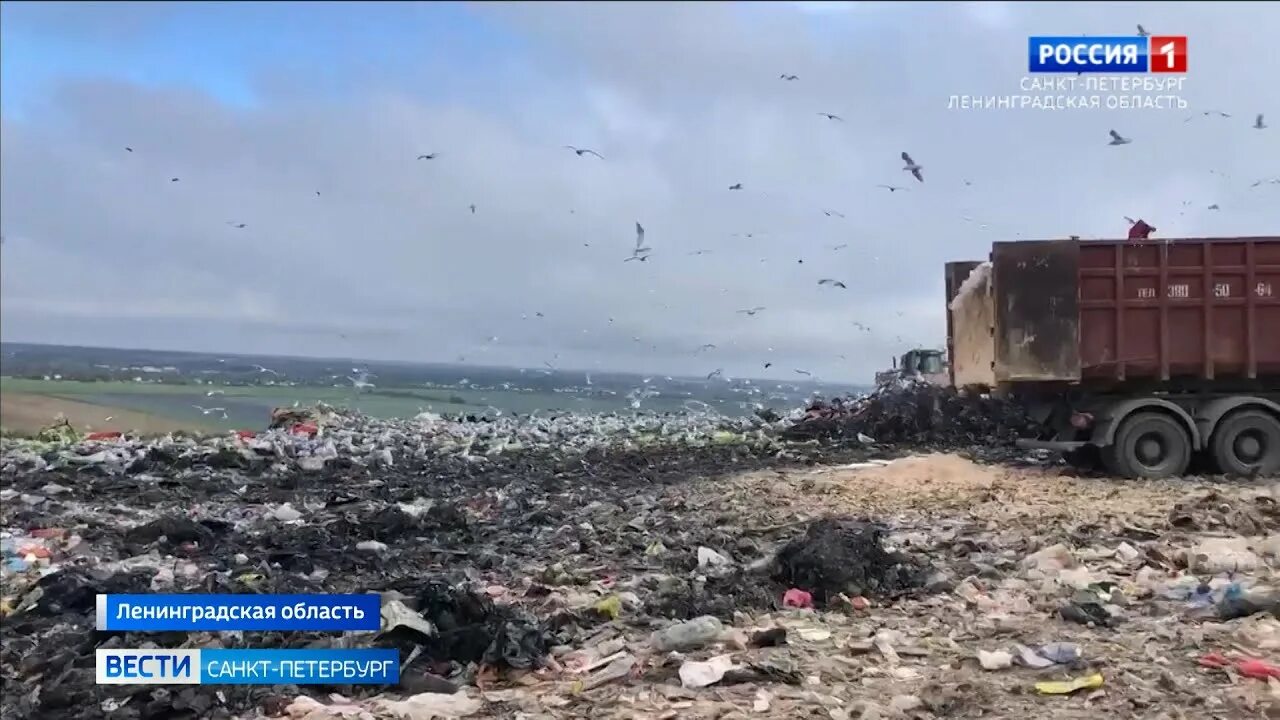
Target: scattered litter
(694, 674)
(995, 659)
(797, 598)
(690, 635)
(1067, 687)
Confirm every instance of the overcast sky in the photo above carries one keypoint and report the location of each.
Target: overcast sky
(256, 108)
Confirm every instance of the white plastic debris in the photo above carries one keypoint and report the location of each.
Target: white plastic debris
(694, 674)
(397, 614)
(708, 558)
(995, 659)
(286, 513)
(371, 546)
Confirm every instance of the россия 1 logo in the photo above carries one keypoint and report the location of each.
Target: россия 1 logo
(1107, 54)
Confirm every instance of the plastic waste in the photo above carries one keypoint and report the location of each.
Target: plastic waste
(1248, 667)
(694, 674)
(995, 659)
(610, 607)
(1030, 658)
(797, 598)
(708, 558)
(1066, 687)
(1061, 653)
(690, 635)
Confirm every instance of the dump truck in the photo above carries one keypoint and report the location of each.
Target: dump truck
(923, 364)
(1146, 354)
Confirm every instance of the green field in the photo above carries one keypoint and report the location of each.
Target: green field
(250, 406)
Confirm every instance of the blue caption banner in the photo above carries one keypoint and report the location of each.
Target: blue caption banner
(376, 666)
(1085, 54)
(154, 613)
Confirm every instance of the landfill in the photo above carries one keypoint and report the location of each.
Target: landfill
(881, 557)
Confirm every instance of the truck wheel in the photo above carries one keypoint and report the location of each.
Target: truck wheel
(1247, 443)
(1149, 445)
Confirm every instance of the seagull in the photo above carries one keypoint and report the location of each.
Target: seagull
(1214, 207)
(804, 372)
(1258, 124)
(1142, 32)
(752, 311)
(699, 252)
(912, 167)
(707, 346)
(892, 188)
(736, 186)
(236, 225)
(829, 116)
(538, 314)
(768, 365)
(208, 411)
(829, 213)
(715, 373)
(259, 368)
(430, 156)
(1208, 113)
(841, 246)
(1117, 140)
(211, 393)
(833, 283)
(129, 149)
(861, 327)
(173, 179)
(473, 208)
(1272, 181)
(639, 253)
(788, 78)
(584, 151)
(361, 382)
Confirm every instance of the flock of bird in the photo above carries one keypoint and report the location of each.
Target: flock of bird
(642, 250)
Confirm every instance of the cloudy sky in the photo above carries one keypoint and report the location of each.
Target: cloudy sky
(259, 107)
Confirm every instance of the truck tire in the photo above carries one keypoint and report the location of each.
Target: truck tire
(1149, 445)
(1247, 442)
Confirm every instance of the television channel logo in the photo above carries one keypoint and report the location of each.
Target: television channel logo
(1107, 54)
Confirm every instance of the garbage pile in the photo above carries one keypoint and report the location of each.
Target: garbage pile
(661, 568)
(918, 415)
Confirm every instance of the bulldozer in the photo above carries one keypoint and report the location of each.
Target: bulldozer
(919, 364)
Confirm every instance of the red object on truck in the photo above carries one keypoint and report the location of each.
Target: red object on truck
(1168, 347)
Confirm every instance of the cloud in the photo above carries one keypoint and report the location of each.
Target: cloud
(683, 100)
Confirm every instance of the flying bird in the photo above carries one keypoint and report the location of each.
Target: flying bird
(736, 186)
(1142, 32)
(584, 151)
(236, 225)
(861, 327)
(261, 369)
(1214, 207)
(1258, 124)
(473, 208)
(1116, 139)
(751, 312)
(640, 252)
(707, 346)
(833, 283)
(430, 156)
(211, 393)
(829, 116)
(715, 373)
(788, 78)
(912, 167)
(208, 411)
(830, 213)
(129, 149)
(841, 246)
(891, 188)
(173, 179)
(1208, 113)
(804, 372)
(768, 365)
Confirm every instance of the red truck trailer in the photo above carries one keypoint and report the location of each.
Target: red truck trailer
(1150, 351)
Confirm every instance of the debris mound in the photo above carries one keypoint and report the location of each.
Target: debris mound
(471, 628)
(844, 555)
(1217, 512)
(916, 414)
